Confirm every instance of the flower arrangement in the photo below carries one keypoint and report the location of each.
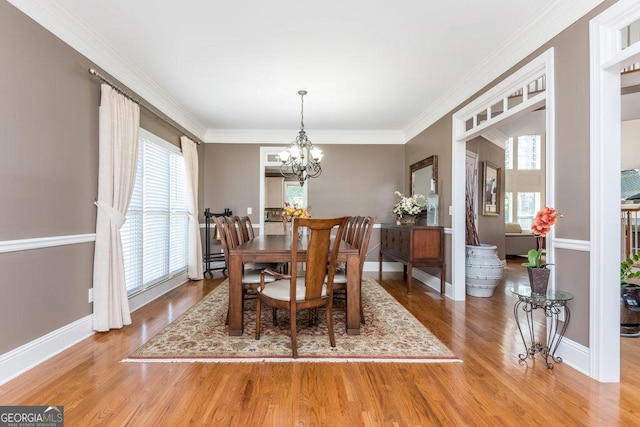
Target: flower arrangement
(408, 206)
(295, 211)
(542, 223)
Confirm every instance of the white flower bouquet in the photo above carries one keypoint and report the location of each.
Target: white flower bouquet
(408, 206)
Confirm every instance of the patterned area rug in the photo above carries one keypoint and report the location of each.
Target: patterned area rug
(390, 334)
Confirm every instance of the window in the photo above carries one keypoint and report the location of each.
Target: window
(528, 205)
(294, 194)
(508, 206)
(529, 152)
(155, 234)
(508, 154)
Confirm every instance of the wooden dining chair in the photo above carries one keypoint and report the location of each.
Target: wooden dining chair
(311, 291)
(347, 227)
(361, 241)
(250, 276)
(354, 229)
(246, 225)
(238, 230)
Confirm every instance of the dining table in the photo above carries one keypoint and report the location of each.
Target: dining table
(277, 249)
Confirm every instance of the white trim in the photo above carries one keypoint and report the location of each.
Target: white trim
(319, 137)
(541, 65)
(430, 280)
(156, 291)
(606, 61)
(27, 356)
(575, 355)
(557, 17)
(61, 22)
(572, 244)
(497, 137)
(45, 242)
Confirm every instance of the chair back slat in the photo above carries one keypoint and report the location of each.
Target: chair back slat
(365, 236)
(322, 253)
(221, 226)
(248, 227)
(347, 228)
(233, 230)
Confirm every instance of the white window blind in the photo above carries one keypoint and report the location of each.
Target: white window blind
(154, 237)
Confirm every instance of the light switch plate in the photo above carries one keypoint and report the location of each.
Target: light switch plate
(249, 211)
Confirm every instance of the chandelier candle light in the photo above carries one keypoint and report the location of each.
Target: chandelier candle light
(302, 159)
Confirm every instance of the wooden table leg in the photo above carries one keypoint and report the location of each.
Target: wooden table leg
(409, 268)
(443, 278)
(235, 295)
(353, 294)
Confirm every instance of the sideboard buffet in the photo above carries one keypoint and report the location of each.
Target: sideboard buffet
(413, 246)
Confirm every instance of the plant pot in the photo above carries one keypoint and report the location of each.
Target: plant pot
(538, 279)
(483, 270)
(408, 219)
(630, 310)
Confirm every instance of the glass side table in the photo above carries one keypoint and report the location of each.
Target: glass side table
(552, 303)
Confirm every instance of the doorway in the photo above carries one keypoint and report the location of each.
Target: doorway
(479, 117)
(269, 162)
(608, 58)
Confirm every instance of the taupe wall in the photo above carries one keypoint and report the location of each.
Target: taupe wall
(48, 177)
(435, 140)
(572, 159)
(490, 228)
(355, 180)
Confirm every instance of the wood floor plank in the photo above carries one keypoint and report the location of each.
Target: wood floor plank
(490, 387)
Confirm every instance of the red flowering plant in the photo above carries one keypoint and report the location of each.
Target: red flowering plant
(542, 223)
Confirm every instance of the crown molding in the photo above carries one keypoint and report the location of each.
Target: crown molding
(286, 136)
(496, 137)
(57, 20)
(557, 17)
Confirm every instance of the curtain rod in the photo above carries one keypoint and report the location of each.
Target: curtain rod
(122, 92)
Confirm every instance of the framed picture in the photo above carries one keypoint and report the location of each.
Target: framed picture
(492, 190)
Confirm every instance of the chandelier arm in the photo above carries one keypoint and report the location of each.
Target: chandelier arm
(304, 164)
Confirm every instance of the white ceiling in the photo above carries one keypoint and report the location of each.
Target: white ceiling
(377, 68)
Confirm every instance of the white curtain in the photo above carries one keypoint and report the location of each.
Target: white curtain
(190, 155)
(118, 156)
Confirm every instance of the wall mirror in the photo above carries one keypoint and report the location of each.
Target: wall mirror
(492, 190)
(423, 177)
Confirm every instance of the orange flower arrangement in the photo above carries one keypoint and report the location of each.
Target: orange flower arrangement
(544, 220)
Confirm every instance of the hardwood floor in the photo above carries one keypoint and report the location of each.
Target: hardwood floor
(490, 387)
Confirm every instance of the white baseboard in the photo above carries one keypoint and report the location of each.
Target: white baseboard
(27, 356)
(23, 358)
(426, 278)
(386, 266)
(144, 298)
(575, 355)
(431, 281)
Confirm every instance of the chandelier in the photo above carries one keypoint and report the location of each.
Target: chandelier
(302, 159)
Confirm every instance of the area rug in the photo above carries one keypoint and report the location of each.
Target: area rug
(390, 334)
